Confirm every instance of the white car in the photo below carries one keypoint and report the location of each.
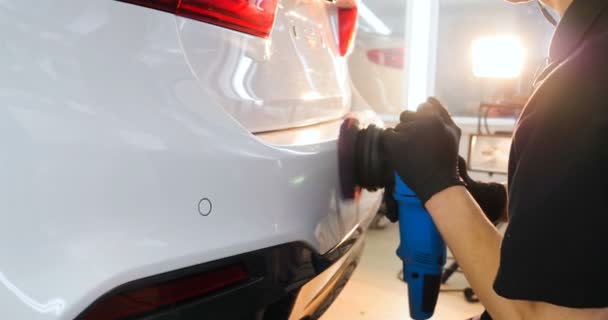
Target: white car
(378, 58)
(377, 70)
(166, 159)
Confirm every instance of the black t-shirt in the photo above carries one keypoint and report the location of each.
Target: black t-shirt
(555, 248)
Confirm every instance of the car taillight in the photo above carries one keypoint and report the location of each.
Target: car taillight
(347, 24)
(390, 57)
(146, 299)
(254, 17)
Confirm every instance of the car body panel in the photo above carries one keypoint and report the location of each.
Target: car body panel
(293, 78)
(110, 144)
(383, 87)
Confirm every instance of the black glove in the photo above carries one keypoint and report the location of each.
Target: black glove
(423, 149)
(491, 197)
(389, 205)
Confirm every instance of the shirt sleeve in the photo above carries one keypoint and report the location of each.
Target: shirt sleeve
(555, 248)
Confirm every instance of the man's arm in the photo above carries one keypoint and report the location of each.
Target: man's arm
(431, 171)
(456, 215)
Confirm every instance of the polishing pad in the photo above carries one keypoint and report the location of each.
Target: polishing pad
(361, 159)
(346, 157)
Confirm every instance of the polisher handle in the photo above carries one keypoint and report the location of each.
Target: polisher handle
(422, 251)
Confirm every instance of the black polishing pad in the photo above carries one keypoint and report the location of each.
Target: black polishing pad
(369, 160)
(346, 157)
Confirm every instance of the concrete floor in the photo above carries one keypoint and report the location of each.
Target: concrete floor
(374, 292)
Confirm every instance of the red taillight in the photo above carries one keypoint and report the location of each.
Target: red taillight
(347, 24)
(390, 57)
(144, 300)
(254, 17)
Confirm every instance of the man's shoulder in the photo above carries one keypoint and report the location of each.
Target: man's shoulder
(590, 60)
(572, 99)
(580, 82)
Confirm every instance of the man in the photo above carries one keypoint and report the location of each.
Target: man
(553, 260)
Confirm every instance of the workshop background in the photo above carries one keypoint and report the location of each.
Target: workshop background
(483, 57)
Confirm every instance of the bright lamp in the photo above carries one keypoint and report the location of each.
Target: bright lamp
(498, 57)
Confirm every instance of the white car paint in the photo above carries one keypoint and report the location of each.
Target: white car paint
(117, 120)
(293, 78)
(380, 85)
(378, 78)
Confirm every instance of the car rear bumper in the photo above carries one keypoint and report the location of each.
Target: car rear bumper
(289, 281)
(316, 296)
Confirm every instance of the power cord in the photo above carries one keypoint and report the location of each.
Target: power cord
(546, 13)
(485, 120)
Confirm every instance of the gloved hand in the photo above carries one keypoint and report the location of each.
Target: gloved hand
(423, 149)
(491, 197)
(389, 206)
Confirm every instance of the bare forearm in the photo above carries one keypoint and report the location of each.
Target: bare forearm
(475, 243)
